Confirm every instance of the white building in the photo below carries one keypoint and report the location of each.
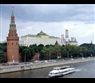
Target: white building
(66, 40)
(40, 38)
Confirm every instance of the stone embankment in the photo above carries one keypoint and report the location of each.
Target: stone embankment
(62, 62)
(21, 67)
(13, 68)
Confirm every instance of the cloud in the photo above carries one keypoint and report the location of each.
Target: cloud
(81, 31)
(51, 19)
(52, 12)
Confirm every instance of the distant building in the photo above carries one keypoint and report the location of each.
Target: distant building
(40, 38)
(66, 40)
(43, 38)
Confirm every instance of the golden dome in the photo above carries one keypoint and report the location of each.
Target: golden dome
(62, 34)
(66, 29)
(72, 37)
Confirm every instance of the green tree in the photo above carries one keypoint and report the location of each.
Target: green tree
(2, 56)
(26, 54)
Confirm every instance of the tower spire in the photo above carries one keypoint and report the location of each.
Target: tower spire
(12, 11)
(12, 24)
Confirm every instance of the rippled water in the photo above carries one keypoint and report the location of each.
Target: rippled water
(83, 70)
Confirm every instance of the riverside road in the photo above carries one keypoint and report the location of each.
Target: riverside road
(83, 70)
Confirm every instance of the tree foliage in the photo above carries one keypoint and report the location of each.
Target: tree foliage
(51, 51)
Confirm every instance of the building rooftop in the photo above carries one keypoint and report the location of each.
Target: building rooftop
(41, 33)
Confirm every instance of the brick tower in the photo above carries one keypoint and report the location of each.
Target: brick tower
(12, 41)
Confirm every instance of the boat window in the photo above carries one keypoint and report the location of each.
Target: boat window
(56, 69)
(64, 68)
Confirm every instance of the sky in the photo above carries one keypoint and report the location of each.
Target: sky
(51, 19)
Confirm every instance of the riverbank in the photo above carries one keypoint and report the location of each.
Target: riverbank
(22, 67)
(62, 62)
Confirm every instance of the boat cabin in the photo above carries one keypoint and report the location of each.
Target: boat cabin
(59, 68)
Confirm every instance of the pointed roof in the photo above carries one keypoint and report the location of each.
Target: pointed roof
(42, 33)
(56, 43)
(12, 22)
(12, 11)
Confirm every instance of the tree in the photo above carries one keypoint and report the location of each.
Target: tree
(2, 56)
(26, 54)
(32, 52)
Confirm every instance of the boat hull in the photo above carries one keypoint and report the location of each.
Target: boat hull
(60, 74)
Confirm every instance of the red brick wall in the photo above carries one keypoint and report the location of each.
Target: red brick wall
(36, 56)
(20, 56)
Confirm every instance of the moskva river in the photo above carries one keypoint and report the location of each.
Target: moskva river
(83, 70)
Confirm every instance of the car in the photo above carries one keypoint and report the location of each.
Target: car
(36, 61)
(46, 61)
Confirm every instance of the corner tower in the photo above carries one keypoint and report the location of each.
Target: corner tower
(12, 41)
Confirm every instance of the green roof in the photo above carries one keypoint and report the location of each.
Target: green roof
(39, 34)
(42, 33)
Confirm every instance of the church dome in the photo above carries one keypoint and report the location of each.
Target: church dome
(66, 29)
(62, 34)
(72, 37)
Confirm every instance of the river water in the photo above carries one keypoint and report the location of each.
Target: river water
(83, 70)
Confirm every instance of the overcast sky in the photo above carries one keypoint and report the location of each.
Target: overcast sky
(51, 19)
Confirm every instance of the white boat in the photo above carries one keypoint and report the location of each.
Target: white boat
(60, 71)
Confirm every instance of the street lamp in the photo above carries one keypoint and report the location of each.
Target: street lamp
(91, 55)
(50, 56)
(71, 56)
(25, 57)
(57, 55)
(12, 55)
(13, 58)
(38, 56)
(82, 56)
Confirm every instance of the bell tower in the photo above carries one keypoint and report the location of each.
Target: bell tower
(12, 41)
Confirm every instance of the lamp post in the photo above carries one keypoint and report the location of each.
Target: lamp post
(12, 55)
(25, 57)
(57, 55)
(91, 55)
(38, 56)
(82, 55)
(13, 58)
(71, 56)
(50, 56)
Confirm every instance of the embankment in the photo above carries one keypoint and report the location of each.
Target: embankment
(14, 68)
(64, 62)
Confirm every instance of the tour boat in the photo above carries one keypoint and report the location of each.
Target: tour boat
(60, 71)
